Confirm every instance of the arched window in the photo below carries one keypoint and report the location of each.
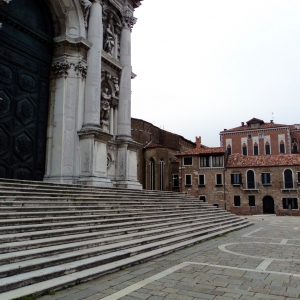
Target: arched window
(288, 179)
(250, 179)
(161, 175)
(282, 147)
(244, 149)
(295, 148)
(229, 149)
(255, 148)
(267, 148)
(152, 174)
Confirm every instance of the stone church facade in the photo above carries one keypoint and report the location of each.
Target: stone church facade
(65, 90)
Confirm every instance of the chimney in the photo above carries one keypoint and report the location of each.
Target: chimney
(271, 121)
(198, 142)
(243, 124)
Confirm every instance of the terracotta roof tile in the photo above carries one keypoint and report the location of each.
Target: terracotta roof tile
(154, 145)
(239, 160)
(198, 151)
(261, 126)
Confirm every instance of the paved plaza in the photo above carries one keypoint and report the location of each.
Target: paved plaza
(259, 262)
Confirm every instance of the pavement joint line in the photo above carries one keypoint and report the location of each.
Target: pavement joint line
(223, 248)
(249, 233)
(140, 284)
(144, 282)
(283, 242)
(264, 264)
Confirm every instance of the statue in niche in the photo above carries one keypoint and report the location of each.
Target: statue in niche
(105, 105)
(86, 6)
(116, 84)
(110, 37)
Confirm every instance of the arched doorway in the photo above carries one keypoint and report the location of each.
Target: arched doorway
(25, 58)
(268, 205)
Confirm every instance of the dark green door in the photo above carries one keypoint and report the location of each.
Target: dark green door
(25, 58)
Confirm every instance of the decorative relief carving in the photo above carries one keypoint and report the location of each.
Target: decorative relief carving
(115, 81)
(2, 2)
(110, 38)
(61, 68)
(81, 68)
(105, 106)
(86, 6)
(116, 85)
(128, 19)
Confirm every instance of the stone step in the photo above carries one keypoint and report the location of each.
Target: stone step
(15, 266)
(95, 213)
(107, 230)
(104, 237)
(7, 220)
(32, 277)
(104, 223)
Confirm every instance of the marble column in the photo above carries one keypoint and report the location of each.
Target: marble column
(93, 78)
(124, 112)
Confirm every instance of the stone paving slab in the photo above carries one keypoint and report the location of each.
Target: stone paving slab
(260, 262)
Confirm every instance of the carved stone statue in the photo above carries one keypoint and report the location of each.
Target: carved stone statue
(110, 40)
(116, 83)
(105, 105)
(86, 6)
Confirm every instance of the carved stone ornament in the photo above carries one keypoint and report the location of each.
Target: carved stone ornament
(105, 105)
(2, 2)
(86, 6)
(61, 69)
(81, 68)
(128, 19)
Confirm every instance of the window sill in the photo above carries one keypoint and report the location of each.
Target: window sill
(267, 184)
(236, 184)
(201, 185)
(218, 185)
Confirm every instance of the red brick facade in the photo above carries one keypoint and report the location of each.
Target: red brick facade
(255, 183)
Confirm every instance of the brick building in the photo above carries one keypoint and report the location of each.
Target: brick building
(157, 165)
(257, 169)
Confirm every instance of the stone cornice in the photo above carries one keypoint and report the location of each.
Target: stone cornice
(80, 42)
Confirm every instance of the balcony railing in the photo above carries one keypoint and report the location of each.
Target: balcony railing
(252, 186)
(288, 185)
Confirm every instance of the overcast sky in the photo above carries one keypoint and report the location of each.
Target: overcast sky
(206, 65)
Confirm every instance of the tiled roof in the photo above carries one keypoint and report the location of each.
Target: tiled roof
(198, 151)
(261, 126)
(154, 145)
(239, 160)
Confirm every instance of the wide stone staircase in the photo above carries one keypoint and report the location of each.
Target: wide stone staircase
(55, 235)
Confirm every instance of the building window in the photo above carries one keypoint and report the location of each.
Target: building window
(250, 179)
(175, 180)
(187, 161)
(260, 135)
(244, 149)
(161, 175)
(237, 200)
(249, 136)
(188, 179)
(290, 203)
(217, 161)
(294, 148)
(236, 179)
(288, 179)
(266, 178)
(251, 200)
(152, 174)
(298, 177)
(201, 179)
(204, 162)
(281, 147)
(228, 150)
(255, 149)
(267, 149)
(203, 198)
(219, 180)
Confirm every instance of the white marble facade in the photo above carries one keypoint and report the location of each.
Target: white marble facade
(89, 122)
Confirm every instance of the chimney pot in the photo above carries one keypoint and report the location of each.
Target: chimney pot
(198, 142)
(243, 124)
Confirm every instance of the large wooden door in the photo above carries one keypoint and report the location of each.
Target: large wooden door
(25, 58)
